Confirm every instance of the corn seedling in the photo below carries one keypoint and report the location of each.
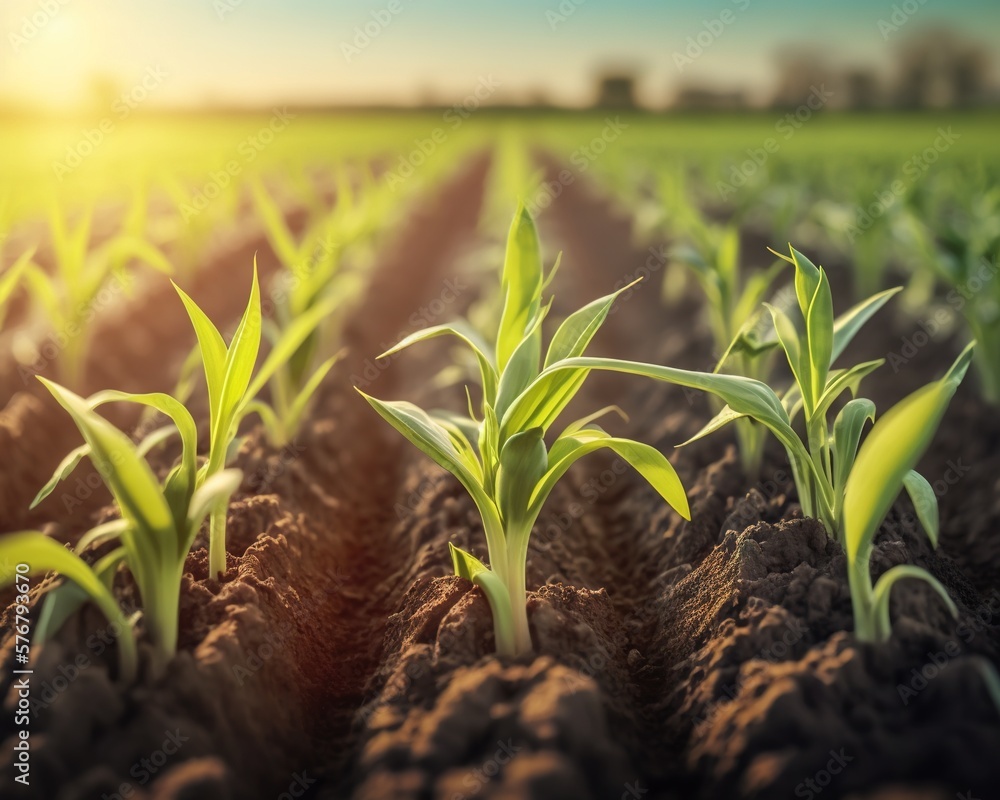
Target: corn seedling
(11, 279)
(233, 388)
(821, 463)
(742, 336)
(500, 457)
(70, 295)
(157, 528)
(884, 465)
(962, 253)
(848, 493)
(313, 276)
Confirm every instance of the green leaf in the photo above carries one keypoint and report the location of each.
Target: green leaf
(467, 335)
(819, 327)
(523, 461)
(213, 353)
(521, 369)
(891, 450)
(128, 476)
(646, 460)
(126, 246)
(720, 420)
(288, 342)
(794, 347)
(240, 361)
(61, 602)
(843, 380)
(11, 279)
(472, 569)
(462, 443)
(154, 439)
(807, 279)
(428, 436)
(42, 555)
(847, 430)
(883, 589)
(278, 234)
(101, 534)
(583, 422)
(848, 324)
(298, 407)
(164, 403)
(43, 292)
(63, 471)
(465, 564)
(521, 285)
(925, 503)
(753, 294)
(579, 328)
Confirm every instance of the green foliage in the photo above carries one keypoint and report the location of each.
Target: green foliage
(745, 338)
(884, 465)
(158, 525)
(849, 490)
(501, 457)
(69, 297)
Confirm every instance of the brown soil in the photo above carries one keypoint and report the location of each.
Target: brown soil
(340, 658)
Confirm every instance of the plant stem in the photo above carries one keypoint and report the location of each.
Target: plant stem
(217, 543)
(862, 598)
(516, 567)
(750, 439)
(160, 614)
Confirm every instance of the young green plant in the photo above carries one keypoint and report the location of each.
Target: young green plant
(69, 296)
(233, 388)
(742, 336)
(158, 525)
(500, 456)
(826, 466)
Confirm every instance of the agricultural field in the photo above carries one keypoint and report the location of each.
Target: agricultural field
(508, 454)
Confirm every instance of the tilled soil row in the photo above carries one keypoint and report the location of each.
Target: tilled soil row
(275, 657)
(137, 345)
(699, 659)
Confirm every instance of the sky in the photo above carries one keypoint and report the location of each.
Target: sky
(193, 53)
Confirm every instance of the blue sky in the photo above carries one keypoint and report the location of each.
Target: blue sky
(270, 51)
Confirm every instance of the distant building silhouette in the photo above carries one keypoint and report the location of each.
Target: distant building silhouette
(801, 73)
(940, 70)
(862, 90)
(697, 98)
(616, 91)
